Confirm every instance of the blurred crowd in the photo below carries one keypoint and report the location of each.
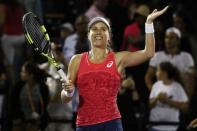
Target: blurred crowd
(159, 95)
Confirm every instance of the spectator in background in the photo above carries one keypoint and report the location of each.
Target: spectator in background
(66, 29)
(133, 38)
(77, 42)
(167, 98)
(30, 98)
(13, 39)
(97, 8)
(182, 60)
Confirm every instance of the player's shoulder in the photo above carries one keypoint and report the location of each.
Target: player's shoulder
(75, 62)
(76, 58)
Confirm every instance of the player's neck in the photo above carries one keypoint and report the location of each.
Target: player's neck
(98, 54)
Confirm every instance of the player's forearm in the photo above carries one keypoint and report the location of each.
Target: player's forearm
(149, 40)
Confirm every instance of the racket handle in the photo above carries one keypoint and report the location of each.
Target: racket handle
(63, 75)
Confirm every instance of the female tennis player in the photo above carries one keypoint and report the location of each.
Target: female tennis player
(96, 74)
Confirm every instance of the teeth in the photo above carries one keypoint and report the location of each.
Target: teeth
(98, 38)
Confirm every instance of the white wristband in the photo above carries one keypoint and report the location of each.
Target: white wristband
(69, 94)
(149, 28)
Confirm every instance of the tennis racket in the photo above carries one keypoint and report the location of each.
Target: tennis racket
(36, 35)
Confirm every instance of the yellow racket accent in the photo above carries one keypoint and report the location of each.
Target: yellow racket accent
(29, 38)
(51, 60)
(43, 29)
(47, 37)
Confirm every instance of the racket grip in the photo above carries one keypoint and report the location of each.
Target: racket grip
(63, 75)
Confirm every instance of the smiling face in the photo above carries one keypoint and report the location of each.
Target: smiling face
(99, 35)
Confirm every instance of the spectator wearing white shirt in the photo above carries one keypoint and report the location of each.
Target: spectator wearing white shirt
(182, 60)
(167, 98)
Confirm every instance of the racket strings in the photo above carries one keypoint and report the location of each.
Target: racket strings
(37, 35)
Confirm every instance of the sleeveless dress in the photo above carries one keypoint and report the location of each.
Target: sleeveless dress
(98, 86)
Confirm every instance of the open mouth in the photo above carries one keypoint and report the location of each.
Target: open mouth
(98, 38)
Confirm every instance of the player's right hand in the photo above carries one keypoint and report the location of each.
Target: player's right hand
(67, 86)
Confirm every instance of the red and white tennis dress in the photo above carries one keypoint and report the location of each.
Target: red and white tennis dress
(98, 86)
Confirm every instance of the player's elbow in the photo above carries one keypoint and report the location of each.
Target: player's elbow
(150, 54)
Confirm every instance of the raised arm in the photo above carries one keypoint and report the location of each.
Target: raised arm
(134, 58)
